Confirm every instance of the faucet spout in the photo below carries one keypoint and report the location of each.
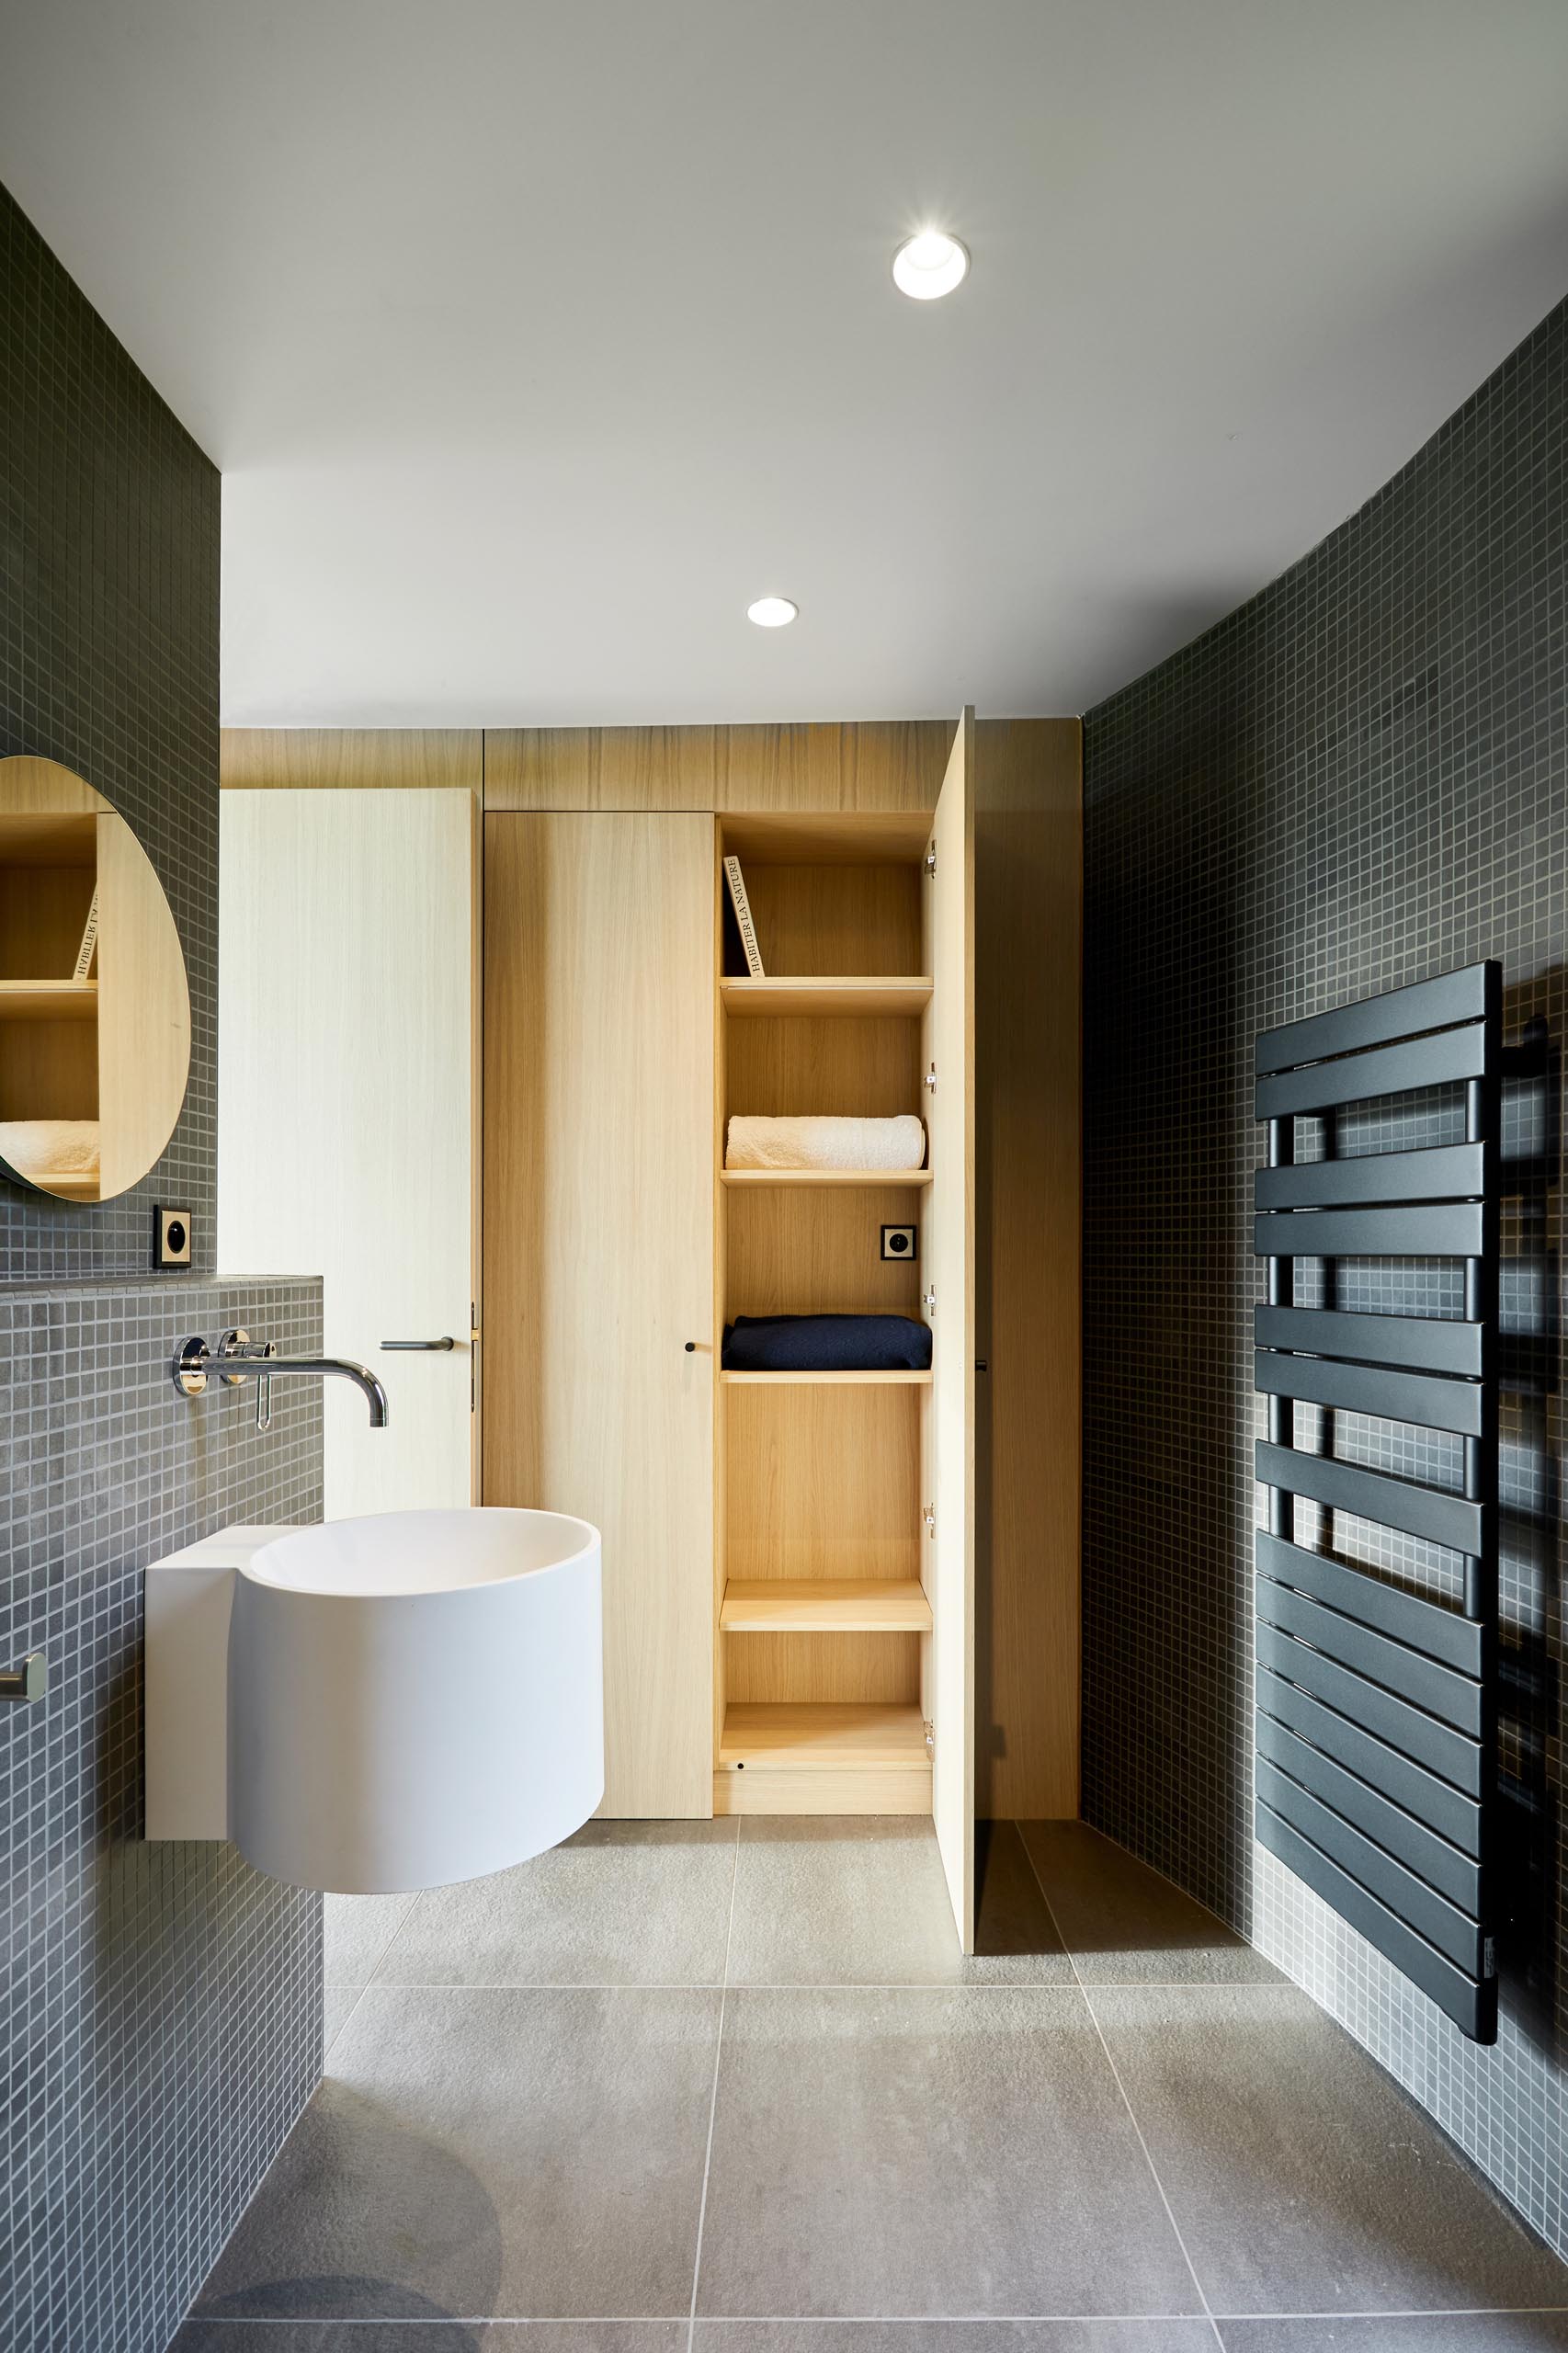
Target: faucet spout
(328, 1367)
(238, 1359)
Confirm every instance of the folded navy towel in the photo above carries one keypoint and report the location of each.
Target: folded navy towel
(826, 1343)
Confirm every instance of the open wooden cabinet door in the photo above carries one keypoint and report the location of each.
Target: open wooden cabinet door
(948, 1430)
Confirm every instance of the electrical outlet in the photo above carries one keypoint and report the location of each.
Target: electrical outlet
(901, 1242)
(170, 1237)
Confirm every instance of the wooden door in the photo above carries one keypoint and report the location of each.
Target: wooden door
(347, 935)
(599, 1258)
(947, 1432)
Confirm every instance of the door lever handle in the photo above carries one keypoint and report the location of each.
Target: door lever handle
(446, 1344)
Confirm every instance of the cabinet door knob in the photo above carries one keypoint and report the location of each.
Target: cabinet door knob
(692, 1347)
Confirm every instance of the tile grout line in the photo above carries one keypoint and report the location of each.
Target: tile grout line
(713, 2098)
(1121, 2087)
(360, 1992)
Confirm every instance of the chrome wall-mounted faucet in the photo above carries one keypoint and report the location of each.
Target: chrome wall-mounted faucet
(239, 1358)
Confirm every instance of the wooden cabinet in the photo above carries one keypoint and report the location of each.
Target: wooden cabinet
(798, 1615)
(598, 1252)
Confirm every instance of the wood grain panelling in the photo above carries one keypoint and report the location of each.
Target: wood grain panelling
(816, 919)
(601, 768)
(1028, 921)
(816, 1250)
(598, 1248)
(862, 766)
(369, 758)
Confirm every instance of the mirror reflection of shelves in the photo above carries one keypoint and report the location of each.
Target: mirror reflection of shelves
(48, 997)
(95, 1014)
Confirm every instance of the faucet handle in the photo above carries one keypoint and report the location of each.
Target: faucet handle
(238, 1346)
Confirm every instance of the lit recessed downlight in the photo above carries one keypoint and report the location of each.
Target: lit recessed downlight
(772, 612)
(929, 264)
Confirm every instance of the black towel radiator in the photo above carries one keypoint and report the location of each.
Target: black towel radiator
(1376, 1707)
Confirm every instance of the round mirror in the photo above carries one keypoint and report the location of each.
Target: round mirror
(95, 1016)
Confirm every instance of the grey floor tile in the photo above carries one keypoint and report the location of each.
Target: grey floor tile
(1140, 2335)
(337, 2007)
(620, 1904)
(861, 1899)
(486, 2152)
(928, 2152)
(1123, 1923)
(1301, 2178)
(433, 2337)
(1411, 2333)
(357, 1929)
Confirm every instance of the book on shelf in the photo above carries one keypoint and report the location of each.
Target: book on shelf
(89, 941)
(738, 925)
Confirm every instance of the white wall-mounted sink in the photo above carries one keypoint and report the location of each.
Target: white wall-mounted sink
(378, 1704)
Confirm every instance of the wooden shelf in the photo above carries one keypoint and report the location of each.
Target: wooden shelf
(828, 1379)
(821, 1736)
(825, 1606)
(49, 1000)
(864, 995)
(788, 1178)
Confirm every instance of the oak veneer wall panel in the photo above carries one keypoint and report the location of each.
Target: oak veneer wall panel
(832, 1066)
(822, 1483)
(849, 767)
(600, 767)
(1028, 939)
(883, 1669)
(835, 919)
(368, 759)
(599, 1248)
(857, 765)
(816, 1250)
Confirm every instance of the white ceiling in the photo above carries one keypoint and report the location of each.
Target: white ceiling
(535, 340)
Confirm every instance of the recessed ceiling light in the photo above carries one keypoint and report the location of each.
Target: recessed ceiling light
(929, 264)
(771, 612)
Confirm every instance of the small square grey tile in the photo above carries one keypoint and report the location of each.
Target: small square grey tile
(620, 1904)
(1301, 2177)
(1123, 1923)
(485, 2152)
(924, 2153)
(862, 1900)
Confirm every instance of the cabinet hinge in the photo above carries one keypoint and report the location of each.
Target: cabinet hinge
(930, 1082)
(928, 1299)
(931, 1742)
(931, 859)
(930, 1515)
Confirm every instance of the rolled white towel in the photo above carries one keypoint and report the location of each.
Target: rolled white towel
(894, 1144)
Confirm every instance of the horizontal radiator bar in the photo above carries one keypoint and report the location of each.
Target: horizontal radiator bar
(1415, 1510)
(1425, 1343)
(1451, 1055)
(1443, 1173)
(1450, 1230)
(1397, 1012)
(1434, 1404)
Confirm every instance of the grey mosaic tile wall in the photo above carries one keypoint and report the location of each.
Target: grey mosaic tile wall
(1357, 780)
(162, 2019)
(160, 2025)
(108, 662)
